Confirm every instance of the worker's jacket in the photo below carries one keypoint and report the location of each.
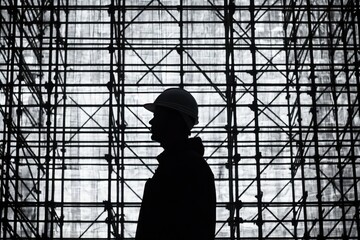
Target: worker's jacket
(179, 200)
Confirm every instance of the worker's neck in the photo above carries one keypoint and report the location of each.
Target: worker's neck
(175, 143)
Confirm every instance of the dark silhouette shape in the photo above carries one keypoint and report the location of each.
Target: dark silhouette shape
(179, 200)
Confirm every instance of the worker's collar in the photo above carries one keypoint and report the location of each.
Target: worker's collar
(170, 154)
(193, 146)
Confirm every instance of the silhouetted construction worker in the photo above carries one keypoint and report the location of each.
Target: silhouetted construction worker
(179, 200)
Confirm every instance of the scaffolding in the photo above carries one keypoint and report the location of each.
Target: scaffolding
(277, 82)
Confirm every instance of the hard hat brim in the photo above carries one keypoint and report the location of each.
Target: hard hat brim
(150, 107)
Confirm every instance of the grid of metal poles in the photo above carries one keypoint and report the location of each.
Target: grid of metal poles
(277, 82)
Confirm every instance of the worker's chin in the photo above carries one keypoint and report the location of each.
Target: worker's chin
(154, 137)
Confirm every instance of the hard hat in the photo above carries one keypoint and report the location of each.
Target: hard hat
(179, 100)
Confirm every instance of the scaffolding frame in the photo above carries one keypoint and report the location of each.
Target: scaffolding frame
(277, 83)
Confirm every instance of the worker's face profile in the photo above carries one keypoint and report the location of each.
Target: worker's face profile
(164, 124)
(158, 124)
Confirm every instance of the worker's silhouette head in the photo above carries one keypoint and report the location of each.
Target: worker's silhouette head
(175, 113)
(168, 127)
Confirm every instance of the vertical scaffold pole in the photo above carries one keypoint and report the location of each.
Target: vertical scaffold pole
(312, 92)
(119, 127)
(63, 133)
(355, 21)
(229, 108)
(290, 113)
(49, 205)
(254, 108)
(181, 44)
(17, 131)
(123, 121)
(109, 156)
(41, 169)
(54, 111)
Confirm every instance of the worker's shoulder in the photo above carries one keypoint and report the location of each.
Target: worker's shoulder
(197, 164)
